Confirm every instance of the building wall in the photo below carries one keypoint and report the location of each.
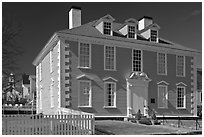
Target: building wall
(123, 69)
(46, 81)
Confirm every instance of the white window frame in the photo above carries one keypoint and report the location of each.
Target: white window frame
(40, 71)
(184, 100)
(184, 66)
(79, 93)
(51, 93)
(51, 61)
(131, 32)
(105, 95)
(40, 97)
(114, 61)
(140, 60)
(110, 29)
(79, 56)
(166, 88)
(151, 35)
(159, 73)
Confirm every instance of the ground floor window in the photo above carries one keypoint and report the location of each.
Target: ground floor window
(85, 93)
(162, 96)
(110, 94)
(181, 97)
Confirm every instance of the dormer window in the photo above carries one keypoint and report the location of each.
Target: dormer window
(131, 31)
(153, 37)
(107, 28)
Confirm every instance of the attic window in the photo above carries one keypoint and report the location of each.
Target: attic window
(153, 36)
(107, 28)
(131, 31)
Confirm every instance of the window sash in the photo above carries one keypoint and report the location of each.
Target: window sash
(136, 60)
(110, 61)
(153, 35)
(162, 63)
(85, 93)
(84, 55)
(162, 96)
(107, 28)
(181, 97)
(131, 31)
(180, 66)
(110, 94)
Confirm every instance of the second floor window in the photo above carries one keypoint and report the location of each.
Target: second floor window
(131, 31)
(153, 36)
(180, 66)
(84, 55)
(107, 28)
(109, 58)
(51, 61)
(136, 60)
(161, 64)
(40, 71)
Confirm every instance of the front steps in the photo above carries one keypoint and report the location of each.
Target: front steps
(144, 120)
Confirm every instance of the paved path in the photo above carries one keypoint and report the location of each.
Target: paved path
(128, 128)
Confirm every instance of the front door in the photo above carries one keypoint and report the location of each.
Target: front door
(139, 98)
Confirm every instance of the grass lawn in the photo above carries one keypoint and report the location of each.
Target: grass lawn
(128, 128)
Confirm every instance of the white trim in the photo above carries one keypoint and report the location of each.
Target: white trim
(51, 93)
(165, 63)
(40, 98)
(90, 93)
(184, 66)
(105, 94)
(141, 59)
(184, 101)
(166, 87)
(181, 83)
(51, 60)
(109, 107)
(59, 73)
(112, 116)
(158, 83)
(40, 71)
(105, 79)
(114, 62)
(79, 44)
(84, 75)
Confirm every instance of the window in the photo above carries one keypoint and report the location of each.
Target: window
(40, 73)
(84, 55)
(153, 36)
(107, 28)
(181, 97)
(162, 96)
(161, 64)
(40, 98)
(180, 66)
(110, 61)
(110, 94)
(136, 60)
(51, 61)
(85, 93)
(131, 31)
(51, 93)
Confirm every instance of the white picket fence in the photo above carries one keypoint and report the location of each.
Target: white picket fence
(81, 124)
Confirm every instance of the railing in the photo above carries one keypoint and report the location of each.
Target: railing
(80, 124)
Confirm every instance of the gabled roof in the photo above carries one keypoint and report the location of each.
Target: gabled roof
(154, 25)
(106, 17)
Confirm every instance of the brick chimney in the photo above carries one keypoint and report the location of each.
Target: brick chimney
(74, 17)
(144, 22)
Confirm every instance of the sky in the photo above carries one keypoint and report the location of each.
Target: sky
(180, 22)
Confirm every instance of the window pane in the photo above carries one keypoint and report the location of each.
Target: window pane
(162, 97)
(110, 94)
(161, 65)
(84, 55)
(180, 97)
(131, 31)
(109, 58)
(180, 66)
(85, 90)
(107, 28)
(153, 35)
(137, 60)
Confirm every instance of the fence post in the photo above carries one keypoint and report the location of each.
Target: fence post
(178, 121)
(196, 124)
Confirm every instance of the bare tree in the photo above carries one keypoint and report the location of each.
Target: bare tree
(10, 51)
